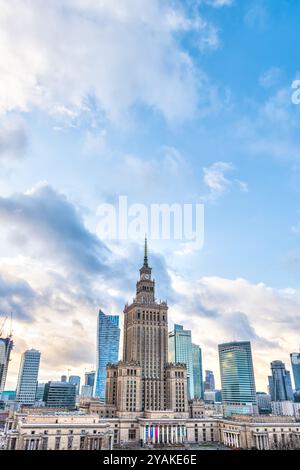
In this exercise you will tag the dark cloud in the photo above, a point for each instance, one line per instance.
(47, 217)
(18, 297)
(239, 328)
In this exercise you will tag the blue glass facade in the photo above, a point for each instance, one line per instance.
(180, 350)
(280, 384)
(237, 375)
(295, 361)
(108, 339)
(197, 371)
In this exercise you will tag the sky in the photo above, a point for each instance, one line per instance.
(165, 101)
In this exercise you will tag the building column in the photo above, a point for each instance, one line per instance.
(167, 429)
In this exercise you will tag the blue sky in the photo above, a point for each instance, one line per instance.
(162, 101)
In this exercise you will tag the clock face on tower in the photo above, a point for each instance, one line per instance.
(147, 276)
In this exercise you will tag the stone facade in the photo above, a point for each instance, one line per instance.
(58, 431)
(144, 380)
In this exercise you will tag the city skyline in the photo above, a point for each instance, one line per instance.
(181, 349)
(168, 109)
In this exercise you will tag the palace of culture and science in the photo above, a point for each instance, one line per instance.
(144, 381)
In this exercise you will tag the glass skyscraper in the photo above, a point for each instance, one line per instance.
(295, 361)
(280, 384)
(180, 350)
(237, 378)
(209, 384)
(28, 375)
(6, 345)
(197, 370)
(108, 339)
(75, 380)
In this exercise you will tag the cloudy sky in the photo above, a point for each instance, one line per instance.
(163, 101)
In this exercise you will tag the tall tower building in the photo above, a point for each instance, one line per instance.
(6, 345)
(209, 383)
(108, 340)
(237, 377)
(197, 372)
(180, 350)
(295, 361)
(75, 380)
(28, 376)
(146, 338)
(144, 380)
(280, 384)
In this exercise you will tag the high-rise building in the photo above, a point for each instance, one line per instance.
(197, 371)
(209, 383)
(89, 378)
(28, 375)
(264, 403)
(280, 384)
(237, 378)
(75, 380)
(6, 345)
(295, 361)
(39, 396)
(108, 339)
(145, 380)
(181, 351)
(60, 395)
(63, 378)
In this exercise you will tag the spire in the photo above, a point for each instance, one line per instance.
(146, 253)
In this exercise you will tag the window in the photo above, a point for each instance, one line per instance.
(70, 442)
(82, 441)
(57, 443)
(132, 434)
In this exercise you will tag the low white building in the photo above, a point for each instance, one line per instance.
(57, 431)
(285, 408)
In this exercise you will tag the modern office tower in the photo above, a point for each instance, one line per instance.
(60, 395)
(264, 403)
(6, 345)
(209, 383)
(39, 396)
(237, 378)
(218, 396)
(28, 375)
(75, 380)
(108, 340)
(197, 371)
(280, 384)
(295, 361)
(89, 378)
(63, 378)
(181, 351)
(144, 380)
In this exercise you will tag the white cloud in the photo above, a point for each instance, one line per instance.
(59, 55)
(219, 3)
(270, 77)
(219, 310)
(217, 182)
